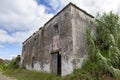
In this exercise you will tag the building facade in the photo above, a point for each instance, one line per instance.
(60, 46)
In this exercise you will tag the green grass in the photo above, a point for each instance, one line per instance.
(87, 72)
(22, 74)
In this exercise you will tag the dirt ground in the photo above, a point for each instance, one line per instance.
(3, 77)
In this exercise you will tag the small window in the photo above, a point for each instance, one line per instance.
(35, 39)
(56, 29)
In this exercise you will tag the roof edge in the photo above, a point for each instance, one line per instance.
(81, 10)
(65, 8)
(60, 12)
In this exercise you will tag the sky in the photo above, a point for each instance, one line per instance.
(21, 18)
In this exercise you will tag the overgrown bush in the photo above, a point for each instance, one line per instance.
(104, 46)
(14, 64)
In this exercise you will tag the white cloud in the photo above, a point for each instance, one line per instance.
(22, 14)
(9, 56)
(4, 37)
(21, 18)
(16, 37)
(94, 6)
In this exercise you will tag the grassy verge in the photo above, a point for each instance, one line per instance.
(22, 74)
(89, 71)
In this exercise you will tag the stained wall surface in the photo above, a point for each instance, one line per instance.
(64, 34)
(80, 22)
(37, 50)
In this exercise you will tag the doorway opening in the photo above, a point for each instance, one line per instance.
(33, 58)
(56, 63)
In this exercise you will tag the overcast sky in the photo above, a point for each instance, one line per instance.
(20, 18)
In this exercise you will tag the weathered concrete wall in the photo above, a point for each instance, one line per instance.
(80, 21)
(68, 39)
(41, 44)
(61, 42)
(30, 50)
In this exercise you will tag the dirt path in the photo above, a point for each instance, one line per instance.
(2, 77)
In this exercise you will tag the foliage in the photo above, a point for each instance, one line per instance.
(14, 64)
(104, 45)
(6, 61)
(89, 71)
(1, 62)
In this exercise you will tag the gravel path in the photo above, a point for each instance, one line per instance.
(3, 77)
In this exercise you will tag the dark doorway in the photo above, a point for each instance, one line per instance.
(56, 63)
(59, 65)
(33, 58)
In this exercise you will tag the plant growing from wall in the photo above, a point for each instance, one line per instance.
(104, 45)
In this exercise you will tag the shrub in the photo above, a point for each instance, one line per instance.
(14, 64)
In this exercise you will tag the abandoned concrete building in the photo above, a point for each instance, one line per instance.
(60, 46)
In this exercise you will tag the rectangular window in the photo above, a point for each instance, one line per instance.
(56, 29)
